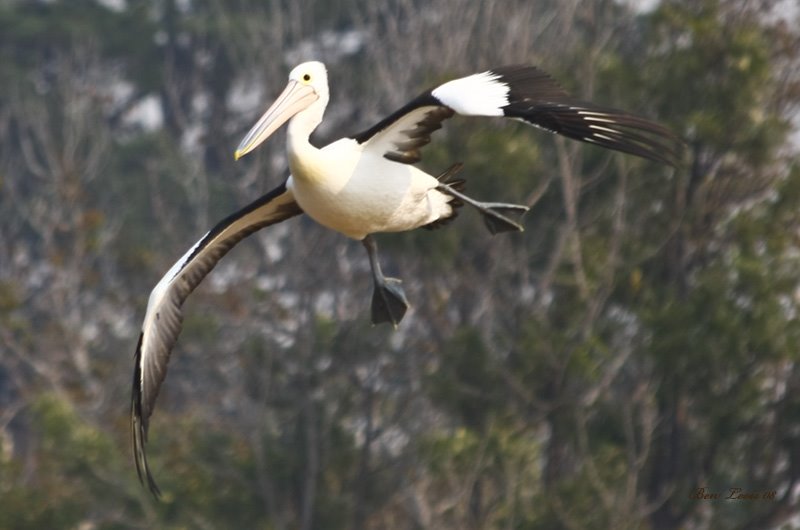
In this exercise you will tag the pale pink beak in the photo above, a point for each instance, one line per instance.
(294, 98)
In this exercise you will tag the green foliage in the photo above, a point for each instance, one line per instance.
(9, 299)
(465, 382)
(725, 70)
(587, 373)
(497, 469)
(76, 462)
(32, 33)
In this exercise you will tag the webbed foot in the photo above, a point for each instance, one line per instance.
(495, 214)
(389, 302)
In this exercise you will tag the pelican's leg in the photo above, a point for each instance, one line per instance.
(389, 302)
(493, 212)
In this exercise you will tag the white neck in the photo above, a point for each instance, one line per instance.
(302, 154)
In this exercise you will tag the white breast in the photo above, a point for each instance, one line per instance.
(359, 193)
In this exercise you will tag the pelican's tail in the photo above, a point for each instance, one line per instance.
(446, 177)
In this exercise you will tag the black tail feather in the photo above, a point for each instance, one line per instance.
(446, 176)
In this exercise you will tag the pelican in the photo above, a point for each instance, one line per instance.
(368, 183)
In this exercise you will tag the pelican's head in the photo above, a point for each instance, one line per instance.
(308, 84)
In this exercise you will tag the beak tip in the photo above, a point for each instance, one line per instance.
(237, 155)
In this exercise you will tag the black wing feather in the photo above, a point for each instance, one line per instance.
(163, 320)
(408, 129)
(535, 98)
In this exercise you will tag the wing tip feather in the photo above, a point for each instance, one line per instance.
(604, 127)
(139, 426)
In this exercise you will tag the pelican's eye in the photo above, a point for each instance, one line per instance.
(306, 78)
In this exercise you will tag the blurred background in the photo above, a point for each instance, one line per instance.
(638, 342)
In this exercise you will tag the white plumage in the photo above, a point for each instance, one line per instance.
(476, 95)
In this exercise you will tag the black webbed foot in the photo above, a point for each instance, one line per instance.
(389, 303)
(495, 214)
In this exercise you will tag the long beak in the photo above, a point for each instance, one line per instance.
(294, 98)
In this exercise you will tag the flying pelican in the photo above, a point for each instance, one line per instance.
(367, 183)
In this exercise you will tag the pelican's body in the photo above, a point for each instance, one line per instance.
(347, 186)
(364, 195)
(367, 184)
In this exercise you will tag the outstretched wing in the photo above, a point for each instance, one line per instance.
(524, 93)
(162, 321)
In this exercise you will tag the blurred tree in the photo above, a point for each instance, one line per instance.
(636, 343)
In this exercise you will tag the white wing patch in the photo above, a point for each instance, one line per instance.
(475, 95)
